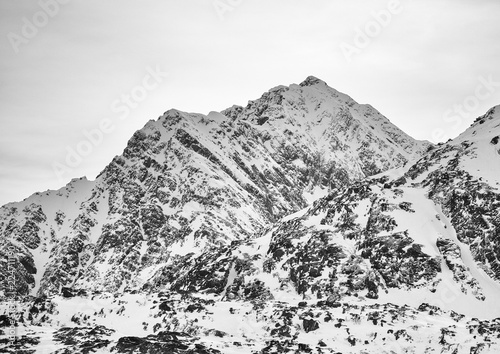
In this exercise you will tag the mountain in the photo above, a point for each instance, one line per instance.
(186, 182)
(303, 222)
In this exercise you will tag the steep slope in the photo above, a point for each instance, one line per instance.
(188, 182)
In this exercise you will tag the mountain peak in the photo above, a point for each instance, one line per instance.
(172, 113)
(312, 80)
(483, 128)
(493, 112)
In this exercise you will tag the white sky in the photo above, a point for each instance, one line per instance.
(65, 77)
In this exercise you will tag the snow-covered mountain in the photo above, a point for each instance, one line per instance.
(189, 181)
(303, 222)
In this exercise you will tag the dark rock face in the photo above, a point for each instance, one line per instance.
(83, 339)
(5, 321)
(398, 260)
(310, 325)
(163, 342)
(303, 263)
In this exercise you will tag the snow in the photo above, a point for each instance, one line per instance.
(299, 163)
(295, 215)
(314, 194)
(421, 224)
(216, 117)
(484, 163)
(425, 228)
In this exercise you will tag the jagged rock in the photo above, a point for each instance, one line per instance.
(84, 339)
(168, 342)
(310, 325)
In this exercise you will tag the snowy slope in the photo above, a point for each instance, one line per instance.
(482, 137)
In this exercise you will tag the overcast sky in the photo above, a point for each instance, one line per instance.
(76, 66)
